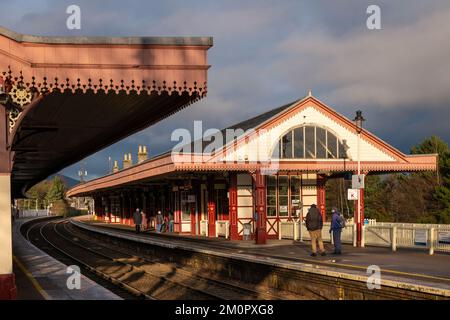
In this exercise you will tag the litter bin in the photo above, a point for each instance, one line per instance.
(247, 231)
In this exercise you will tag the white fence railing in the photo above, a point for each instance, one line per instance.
(33, 213)
(222, 228)
(432, 237)
(204, 228)
(296, 230)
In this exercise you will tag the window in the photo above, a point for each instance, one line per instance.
(186, 206)
(296, 204)
(283, 201)
(284, 196)
(221, 202)
(332, 143)
(321, 143)
(299, 150)
(309, 142)
(271, 196)
(286, 144)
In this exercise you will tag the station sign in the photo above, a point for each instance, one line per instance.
(444, 237)
(352, 194)
(421, 237)
(358, 181)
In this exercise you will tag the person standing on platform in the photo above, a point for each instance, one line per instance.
(159, 221)
(314, 224)
(170, 221)
(337, 224)
(137, 218)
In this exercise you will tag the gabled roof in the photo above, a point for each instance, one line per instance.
(255, 122)
(163, 164)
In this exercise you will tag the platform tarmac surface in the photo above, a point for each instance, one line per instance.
(410, 266)
(41, 277)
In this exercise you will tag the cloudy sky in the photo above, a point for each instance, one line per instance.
(268, 53)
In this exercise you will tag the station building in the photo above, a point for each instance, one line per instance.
(273, 172)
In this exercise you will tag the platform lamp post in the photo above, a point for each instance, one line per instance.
(358, 123)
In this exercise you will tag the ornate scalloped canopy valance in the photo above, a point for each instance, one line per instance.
(71, 96)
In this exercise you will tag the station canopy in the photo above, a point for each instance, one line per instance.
(68, 97)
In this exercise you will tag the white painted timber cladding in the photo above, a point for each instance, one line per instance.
(266, 141)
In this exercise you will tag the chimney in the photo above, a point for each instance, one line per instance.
(116, 166)
(126, 160)
(142, 154)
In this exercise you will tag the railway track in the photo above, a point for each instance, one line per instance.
(32, 231)
(142, 275)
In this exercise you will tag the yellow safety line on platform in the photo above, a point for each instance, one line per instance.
(33, 281)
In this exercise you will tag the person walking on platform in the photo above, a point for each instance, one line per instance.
(337, 224)
(137, 218)
(314, 224)
(159, 221)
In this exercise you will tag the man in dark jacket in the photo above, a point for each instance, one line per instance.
(337, 223)
(314, 224)
(137, 218)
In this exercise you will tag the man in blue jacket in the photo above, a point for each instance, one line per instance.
(337, 224)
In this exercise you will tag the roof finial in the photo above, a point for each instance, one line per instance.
(309, 93)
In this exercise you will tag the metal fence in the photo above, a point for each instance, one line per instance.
(296, 230)
(402, 235)
(222, 228)
(204, 228)
(431, 237)
(33, 213)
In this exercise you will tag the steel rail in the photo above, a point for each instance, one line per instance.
(203, 278)
(132, 267)
(89, 267)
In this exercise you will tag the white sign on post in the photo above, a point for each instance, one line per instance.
(358, 181)
(352, 194)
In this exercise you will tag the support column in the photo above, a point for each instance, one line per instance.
(232, 193)
(321, 202)
(211, 209)
(359, 222)
(130, 209)
(120, 208)
(7, 279)
(108, 205)
(260, 204)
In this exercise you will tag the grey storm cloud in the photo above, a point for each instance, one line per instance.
(395, 67)
(267, 53)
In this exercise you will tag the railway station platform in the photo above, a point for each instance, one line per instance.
(405, 269)
(41, 277)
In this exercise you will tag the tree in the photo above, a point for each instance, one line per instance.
(441, 211)
(422, 197)
(373, 199)
(39, 192)
(57, 190)
(437, 146)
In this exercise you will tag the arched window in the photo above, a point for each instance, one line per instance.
(309, 142)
